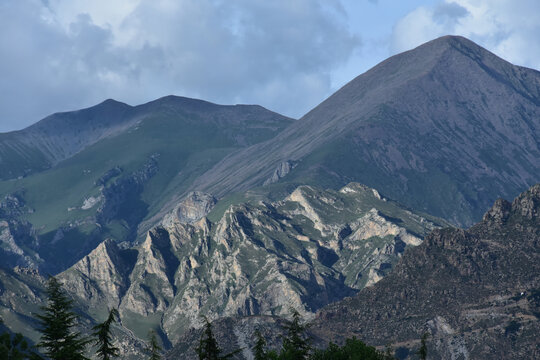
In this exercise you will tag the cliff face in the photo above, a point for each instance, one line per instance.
(310, 249)
(475, 291)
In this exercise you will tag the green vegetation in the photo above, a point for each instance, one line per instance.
(15, 347)
(102, 332)
(61, 342)
(208, 348)
(59, 339)
(154, 349)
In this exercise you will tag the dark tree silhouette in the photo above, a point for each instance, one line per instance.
(15, 347)
(103, 338)
(154, 349)
(422, 352)
(296, 346)
(59, 339)
(208, 348)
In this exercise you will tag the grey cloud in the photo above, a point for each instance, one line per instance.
(449, 12)
(275, 53)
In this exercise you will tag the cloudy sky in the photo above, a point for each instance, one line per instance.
(287, 55)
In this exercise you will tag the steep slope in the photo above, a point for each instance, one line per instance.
(121, 165)
(477, 292)
(310, 249)
(59, 136)
(22, 294)
(446, 128)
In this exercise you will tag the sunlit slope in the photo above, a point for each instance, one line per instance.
(110, 186)
(445, 128)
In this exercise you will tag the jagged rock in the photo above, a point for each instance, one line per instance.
(472, 290)
(193, 208)
(281, 171)
(101, 277)
(310, 249)
(123, 189)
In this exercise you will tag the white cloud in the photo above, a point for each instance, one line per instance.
(67, 54)
(509, 28)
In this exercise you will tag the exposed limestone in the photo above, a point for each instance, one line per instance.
(193, 208)
(373, 224)
(100, 277)
(313, 248)
(90, 202)
(281, 171)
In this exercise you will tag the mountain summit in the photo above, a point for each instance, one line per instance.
(446, 128)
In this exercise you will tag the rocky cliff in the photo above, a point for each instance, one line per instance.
(476, 291)
(310, 249)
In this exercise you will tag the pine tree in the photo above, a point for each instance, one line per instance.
(102, 332)
(58, 338)
(259, 350)
(295, 345)
(154, 350)
(15, 347)
(422, 352)
(208, 348)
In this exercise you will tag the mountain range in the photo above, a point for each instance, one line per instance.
(179, 208)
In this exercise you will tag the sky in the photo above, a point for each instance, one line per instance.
(286, 55)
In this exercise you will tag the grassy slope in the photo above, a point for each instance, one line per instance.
(185, 147)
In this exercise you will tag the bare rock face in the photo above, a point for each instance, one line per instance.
(310, 249)
(476, 291)
(194, 207)
(281, 171)
(100, 277)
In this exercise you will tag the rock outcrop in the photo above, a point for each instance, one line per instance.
(306, 251)
(476, 291)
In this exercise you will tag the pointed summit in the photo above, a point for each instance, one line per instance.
(447, 128)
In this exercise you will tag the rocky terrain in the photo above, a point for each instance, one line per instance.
(179, 208)
(112, 166)
(423, 127)
(476, 291)
(310, 249)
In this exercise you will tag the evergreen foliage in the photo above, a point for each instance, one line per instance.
(208, 348)
(154, 349)
(422, 352)
(353, 349)
(296, 346)
(15, 348)
(59, 339)
(259, 350)
(102, 333)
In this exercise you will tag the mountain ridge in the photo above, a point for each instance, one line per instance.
(402, 97)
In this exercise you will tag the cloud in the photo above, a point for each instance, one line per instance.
(67, 54)
(508, 28)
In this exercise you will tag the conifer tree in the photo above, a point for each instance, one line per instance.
(422, 352)
(208, 348)
(102, 333)
(15, 347)
(59, 339)
(295, 346)
(259, 350)
(154, 349)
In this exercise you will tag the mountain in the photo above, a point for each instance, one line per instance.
(310, 249)
(22, 294)
(445, 128)
(476, 291)
(60, 136)
(111, 166)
